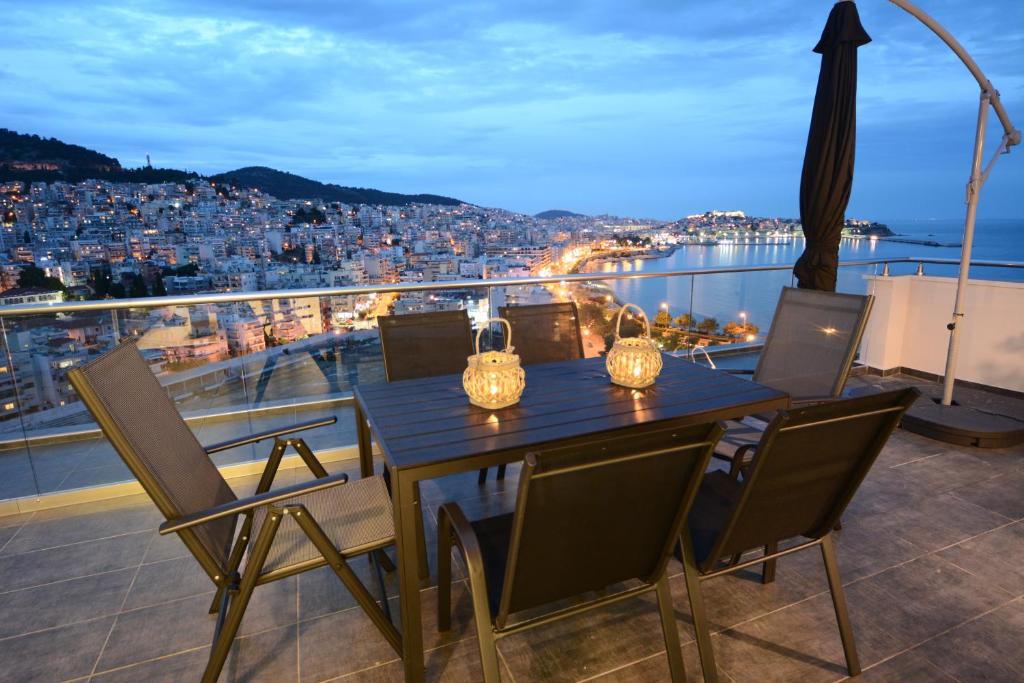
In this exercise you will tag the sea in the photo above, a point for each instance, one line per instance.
(730, 296)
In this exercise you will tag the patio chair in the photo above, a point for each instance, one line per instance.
(588, 517)
(808, 353)
(425, 344)
(808, 466)
(419, 345)
(545, 333)
(283, 532)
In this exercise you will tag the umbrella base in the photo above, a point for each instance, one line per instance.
(962, 425)
(978, 418)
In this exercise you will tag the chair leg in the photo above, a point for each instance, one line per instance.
(375, 560)
(385, 561)
(218, 598)
(481, 478)
(225, 634)
(669, 631)
(488, 650)
(835, 586)
(348, 577)
(501, 472)
(444, 572)
(768, 568)
(307, 456)
(700, 623)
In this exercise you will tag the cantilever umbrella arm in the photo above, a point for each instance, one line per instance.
(1011, 137)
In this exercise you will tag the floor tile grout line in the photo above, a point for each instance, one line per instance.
(54, 628)
(189, 649)
(508, 668)
(16, 532)
(942, 633)
(67, 580)
(929, 457)
(124, 601)
(659, 653)
(177, 653)
(65, 545)
(22, 553)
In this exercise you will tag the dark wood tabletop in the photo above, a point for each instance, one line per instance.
(430, 421)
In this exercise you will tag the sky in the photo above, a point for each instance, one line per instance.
(643, 108)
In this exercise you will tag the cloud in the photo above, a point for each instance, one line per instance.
(646, 108)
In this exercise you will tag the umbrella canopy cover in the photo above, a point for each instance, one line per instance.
(827, 177)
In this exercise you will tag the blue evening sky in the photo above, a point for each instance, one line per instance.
(639, 107)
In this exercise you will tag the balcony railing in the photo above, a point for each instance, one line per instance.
(241, 362)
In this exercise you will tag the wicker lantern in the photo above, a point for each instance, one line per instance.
(634, 361)
(494, 379)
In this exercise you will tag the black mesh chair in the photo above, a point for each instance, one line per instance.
(425, 344)
(545, 333)
(284, 532)
(807, 468)
(588, 517)
(808, 353)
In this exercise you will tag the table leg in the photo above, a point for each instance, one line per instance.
(409, 538)
(363, 439)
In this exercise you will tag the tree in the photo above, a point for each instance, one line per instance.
(158, 287)
(684, 321)
(137, 287)
(708, 326)
(663, 319)
(33, 276)
(27, 237)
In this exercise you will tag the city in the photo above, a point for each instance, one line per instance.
(583, 342)
(99, 239)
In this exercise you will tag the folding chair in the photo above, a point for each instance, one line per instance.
(283, 532)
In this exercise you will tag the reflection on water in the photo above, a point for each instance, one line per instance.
(724, 296)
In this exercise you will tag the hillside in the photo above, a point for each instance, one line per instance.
(285, 185)
(30, 158)
(552, 214)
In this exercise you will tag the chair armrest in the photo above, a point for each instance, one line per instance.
(737, 371)
(740, 460)
(245, 504)
(465, 538)
(270, 434)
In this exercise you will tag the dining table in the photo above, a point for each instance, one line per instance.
(426, 428)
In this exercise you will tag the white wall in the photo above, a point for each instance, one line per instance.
(908, 328)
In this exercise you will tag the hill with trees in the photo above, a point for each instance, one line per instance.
(285, 185)
(31, 158)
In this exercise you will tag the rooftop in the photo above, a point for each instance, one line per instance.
(931, 553)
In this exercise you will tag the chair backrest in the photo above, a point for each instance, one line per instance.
(140, 420)
(594, 514)
(545, 333)
(812, 342)
(425, 344)
(807, 467)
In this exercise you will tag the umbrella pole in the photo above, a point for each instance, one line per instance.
(1011, 137)
(973, 195)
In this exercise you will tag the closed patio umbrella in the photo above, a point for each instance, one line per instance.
(827, 176)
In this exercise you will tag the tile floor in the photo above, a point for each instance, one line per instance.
(931, 552)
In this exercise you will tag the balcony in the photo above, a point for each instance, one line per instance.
(930, 552)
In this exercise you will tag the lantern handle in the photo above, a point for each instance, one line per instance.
(487, 325)
(618, 320)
